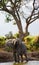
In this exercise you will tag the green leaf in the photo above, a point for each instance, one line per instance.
(14, 23)
(5, 1)
(8, 18)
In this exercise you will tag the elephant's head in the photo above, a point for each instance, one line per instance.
(9, 43)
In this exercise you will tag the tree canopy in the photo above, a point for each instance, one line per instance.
(17, 9)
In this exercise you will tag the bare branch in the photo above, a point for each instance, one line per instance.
(11, 2)
(32, 10)
(18, 15)
(32, 14)
(35, 18)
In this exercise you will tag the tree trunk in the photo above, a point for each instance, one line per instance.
(19, 25)
(26, 29)
(20, 29)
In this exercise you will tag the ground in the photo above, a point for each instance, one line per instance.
(8, 56)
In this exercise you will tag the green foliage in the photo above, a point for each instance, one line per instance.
(16, 35)
(0, 6)
(36, 43)
(8, 18)
(32, 42)
(3, 1)
(2, 41)
(6, 1)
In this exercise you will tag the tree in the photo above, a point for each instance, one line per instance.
(9, 35)
(13, 8)
(33, 16)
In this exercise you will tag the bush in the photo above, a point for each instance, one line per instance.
(36, 43)
(32, 42)
(2, 41)
(16, 35)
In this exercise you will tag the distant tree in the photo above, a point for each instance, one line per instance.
(9, 35)
(13, 7)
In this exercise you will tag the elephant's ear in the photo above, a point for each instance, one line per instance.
(13, 41)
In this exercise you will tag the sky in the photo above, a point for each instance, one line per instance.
(5, 28)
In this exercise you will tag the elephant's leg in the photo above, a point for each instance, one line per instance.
(15, 57)
(18, 57)
(25, 56)
(21, 58)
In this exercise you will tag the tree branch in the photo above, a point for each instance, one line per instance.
(33, 19)
(29, 18)
(18, 15)
(32, 10)
(11, 2)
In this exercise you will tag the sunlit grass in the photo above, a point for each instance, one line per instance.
(19, 63)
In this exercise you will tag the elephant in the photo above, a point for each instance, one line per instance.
(10, 44)
(19, 49)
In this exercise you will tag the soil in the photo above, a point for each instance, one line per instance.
(8, 56)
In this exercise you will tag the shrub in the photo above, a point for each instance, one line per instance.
(2, 41)
(32, 42)
(16, 35)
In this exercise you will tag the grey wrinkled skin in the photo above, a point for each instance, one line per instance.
(10, 44)
(19, 49)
